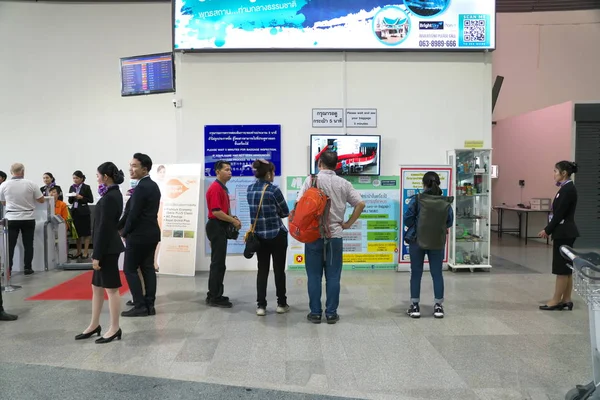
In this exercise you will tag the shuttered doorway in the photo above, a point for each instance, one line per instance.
(587, 156)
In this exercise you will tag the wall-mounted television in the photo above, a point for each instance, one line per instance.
(147, 74)
(239, 25)
(357, 154)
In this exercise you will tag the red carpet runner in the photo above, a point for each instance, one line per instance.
(78, 288)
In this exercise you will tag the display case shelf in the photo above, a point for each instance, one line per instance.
(470, 233)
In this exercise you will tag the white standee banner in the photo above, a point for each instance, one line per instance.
(178, 217)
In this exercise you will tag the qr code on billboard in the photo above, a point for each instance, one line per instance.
(474, 30)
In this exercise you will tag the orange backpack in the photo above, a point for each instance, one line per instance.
(309, 220)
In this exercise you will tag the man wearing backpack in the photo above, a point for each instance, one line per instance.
(324, 255)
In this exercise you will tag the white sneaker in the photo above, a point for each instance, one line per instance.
(283, 309)
(261, 312)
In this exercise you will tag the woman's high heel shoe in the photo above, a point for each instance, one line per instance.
(110, 339)
(88, 335)
(546, 307)
(568, 305)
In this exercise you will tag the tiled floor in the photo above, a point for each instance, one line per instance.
(493, 344)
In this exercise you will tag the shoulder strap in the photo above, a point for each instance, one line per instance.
(259, 206)
(313, 180)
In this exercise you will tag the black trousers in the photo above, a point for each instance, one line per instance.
(1, 304)
(217, 235)
(141, 256)
(275, 248)
(27, 230)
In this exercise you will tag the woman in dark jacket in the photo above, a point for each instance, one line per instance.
(107, 248)
(49, 183)
(562, 228)
(435, 256)
(80, 212)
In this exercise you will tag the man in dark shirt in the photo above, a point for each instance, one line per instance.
(217, 201)
(142, 234)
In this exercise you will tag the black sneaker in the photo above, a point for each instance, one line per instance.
(438, 311)
(221, 302)
(314, 318)
(414, 311)
(28, 272)
(332, 319)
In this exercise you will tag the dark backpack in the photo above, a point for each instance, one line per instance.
(433, 216)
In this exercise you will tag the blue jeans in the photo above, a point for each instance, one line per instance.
(329, 262)
(417, 258)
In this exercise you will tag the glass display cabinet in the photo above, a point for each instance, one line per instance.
(470, 234)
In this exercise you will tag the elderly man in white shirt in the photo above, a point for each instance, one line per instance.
(19, 195)
(340, 193)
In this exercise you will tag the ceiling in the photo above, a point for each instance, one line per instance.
(502, 6)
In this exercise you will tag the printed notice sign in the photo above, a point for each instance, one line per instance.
(327, 117)
(361, 117)
(372, 242)
(238, 199)
(241, 145)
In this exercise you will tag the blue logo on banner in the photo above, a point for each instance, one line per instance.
(433, 25)
(241, 145)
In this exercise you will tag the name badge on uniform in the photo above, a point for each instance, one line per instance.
(550, 216)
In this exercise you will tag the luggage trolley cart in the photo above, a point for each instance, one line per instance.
(586, 282)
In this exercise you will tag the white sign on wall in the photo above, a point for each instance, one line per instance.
(361, 117)
(327, 117)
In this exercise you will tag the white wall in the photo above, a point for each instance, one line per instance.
(65, 99)
(427, 103)
(60, 101)
(547, 58)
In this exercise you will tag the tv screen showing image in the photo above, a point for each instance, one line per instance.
(147, 74)
(272, 25)
(357, 154)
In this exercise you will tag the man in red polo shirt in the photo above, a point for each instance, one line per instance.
(217, 201)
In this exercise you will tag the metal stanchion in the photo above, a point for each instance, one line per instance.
(5, 261)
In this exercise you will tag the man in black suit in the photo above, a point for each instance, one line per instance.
(142, 234)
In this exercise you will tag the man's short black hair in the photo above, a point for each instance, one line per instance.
(220, 164)
(144, 159)
(329, 159)
(3, 175)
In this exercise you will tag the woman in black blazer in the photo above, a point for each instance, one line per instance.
(80, 212)
(107, 248)
(49, 183)
(562, 228)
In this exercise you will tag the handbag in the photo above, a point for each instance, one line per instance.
(231, 232)
(251, 238)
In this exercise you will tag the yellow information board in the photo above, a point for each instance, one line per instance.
(473, 144)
